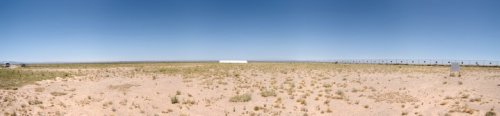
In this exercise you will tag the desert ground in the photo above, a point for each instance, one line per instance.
(256, 89)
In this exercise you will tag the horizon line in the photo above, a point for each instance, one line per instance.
(187, 61)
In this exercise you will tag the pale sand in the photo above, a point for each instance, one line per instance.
(359, 90)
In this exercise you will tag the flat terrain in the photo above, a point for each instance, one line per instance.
(288, 89)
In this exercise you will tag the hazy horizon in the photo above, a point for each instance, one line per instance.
(129, 30)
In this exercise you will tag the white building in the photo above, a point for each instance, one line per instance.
(234, 61)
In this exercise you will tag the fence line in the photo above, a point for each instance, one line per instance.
(419, 62)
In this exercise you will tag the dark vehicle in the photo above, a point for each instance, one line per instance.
(7, 65)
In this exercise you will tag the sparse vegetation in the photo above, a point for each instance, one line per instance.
(12, 78)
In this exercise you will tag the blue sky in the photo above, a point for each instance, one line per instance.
(127, 30)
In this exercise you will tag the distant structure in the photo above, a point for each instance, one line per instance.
(7, 65)
(233, 61)
(10, 65)
(455, 69)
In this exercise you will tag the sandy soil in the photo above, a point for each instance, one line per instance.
(288, 90)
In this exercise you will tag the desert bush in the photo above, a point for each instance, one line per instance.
(241, 98)
(302, 101)
(490, 113)
(268, 93)
(475, 100)
(174, 100)
(327, 85)
(340, 93)
(189, 102)
(58, 93)
(257, 108)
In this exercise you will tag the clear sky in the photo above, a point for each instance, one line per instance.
(127, 30)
